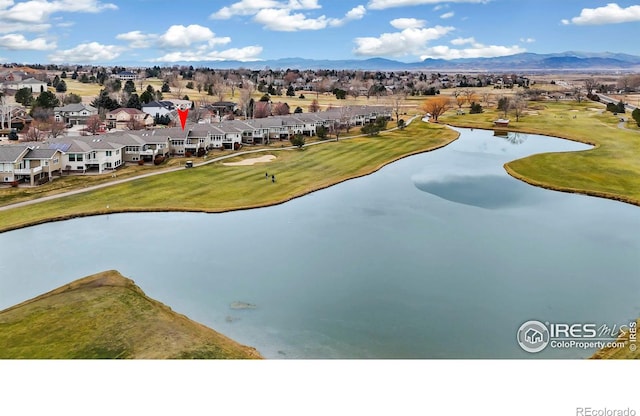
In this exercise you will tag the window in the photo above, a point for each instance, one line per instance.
(108, 152)
(108, 164)
(118, 151)
(79, 157)
(72, 157)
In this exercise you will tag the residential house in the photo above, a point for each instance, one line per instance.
(74, 114)
(143, 145)
(35, 85)
(128, 119)
(160, 108)
(125, 76)
(92, 153)
(29, 163)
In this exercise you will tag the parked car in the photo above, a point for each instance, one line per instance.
(188, 164)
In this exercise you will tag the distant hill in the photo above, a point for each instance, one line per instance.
(107, 316)
(564, 61)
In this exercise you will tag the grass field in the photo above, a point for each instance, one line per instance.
(217, 188)
(611, 170)
(107, 316)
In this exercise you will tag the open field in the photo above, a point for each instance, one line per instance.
(217, 188)
(107, 316)
(611, 170)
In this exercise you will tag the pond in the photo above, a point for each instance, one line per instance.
(439, 255)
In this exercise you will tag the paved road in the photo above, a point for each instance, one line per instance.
(164, 171)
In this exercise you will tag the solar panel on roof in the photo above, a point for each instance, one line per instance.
(63, 147)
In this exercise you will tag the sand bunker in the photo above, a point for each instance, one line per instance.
(252, 161)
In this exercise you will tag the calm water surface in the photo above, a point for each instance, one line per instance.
(440, 255)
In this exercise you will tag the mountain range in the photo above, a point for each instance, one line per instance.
(565, 61)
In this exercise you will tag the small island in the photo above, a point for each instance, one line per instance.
(106, 315)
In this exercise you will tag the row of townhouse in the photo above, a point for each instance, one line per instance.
(40, 161)
(29, 163)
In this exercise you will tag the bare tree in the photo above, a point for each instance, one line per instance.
(314, 107)
(590, 84)
(397, 103)
(245, 101)
(56, 128)
(518, 104)
(345, 118)
(34, 133)
(5, 112)
(436, 106)
(470, 96)
(281, 109)
(577, 94)
(93, 124)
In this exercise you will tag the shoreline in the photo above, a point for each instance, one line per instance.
(511, 172)
(373, 170)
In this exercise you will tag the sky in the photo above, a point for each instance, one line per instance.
(160, 32)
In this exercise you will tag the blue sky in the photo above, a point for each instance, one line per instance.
(161, 32)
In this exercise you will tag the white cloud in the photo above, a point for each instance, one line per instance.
(356, 13)
(447, 15)
(87, 52)
(16, 42)
(251, 7)
(10, 27)
(475, 50)
(527, 40)
(283, 21)
(410, 41)
(387, 4)
(178, 36)
(609, 14)
(407, 23)
(38, 11)
(463, 41)
(246, 54)
(137, 39)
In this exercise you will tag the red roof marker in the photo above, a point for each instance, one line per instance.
(183, 116)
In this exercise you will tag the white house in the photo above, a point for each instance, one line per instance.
(35, 85)
(74, 113)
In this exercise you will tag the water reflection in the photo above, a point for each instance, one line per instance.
(488, 191)
(511, 136)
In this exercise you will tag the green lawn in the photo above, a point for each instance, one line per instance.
(611, 170)
(107, 316)
(217, 188)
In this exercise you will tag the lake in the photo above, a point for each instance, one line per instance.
(439, 255)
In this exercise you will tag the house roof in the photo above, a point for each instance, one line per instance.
(160, 104)
(132, 111)
(75, 108)
(84, 145)
(32, 81)
(41, 153)
(11, 154)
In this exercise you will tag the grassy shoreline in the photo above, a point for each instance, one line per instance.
(610, 170)
(106, 315)
(217, 188)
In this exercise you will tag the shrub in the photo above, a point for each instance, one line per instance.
(188, 154)
(158, 160)
(141, 162)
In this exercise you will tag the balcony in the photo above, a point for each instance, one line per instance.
(33, 171)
